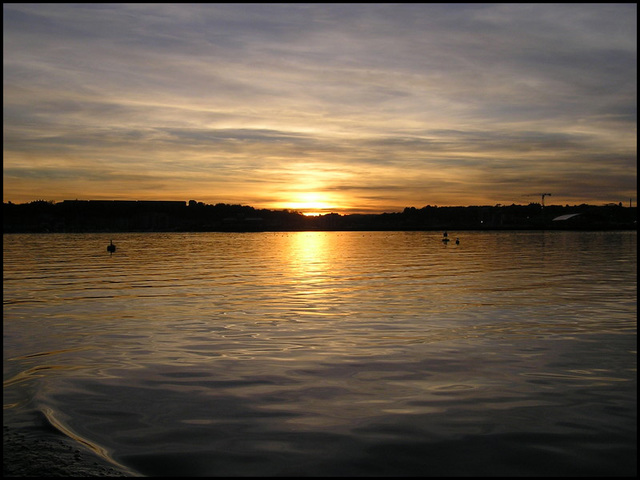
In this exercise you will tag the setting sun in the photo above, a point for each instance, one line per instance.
(312, 204)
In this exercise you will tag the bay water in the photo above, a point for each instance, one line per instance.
(329, 353)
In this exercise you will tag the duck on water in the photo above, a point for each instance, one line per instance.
(446, 239)
(111, 247)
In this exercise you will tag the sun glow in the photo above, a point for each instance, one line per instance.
(311, 204)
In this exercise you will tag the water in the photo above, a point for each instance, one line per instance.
(342, 353)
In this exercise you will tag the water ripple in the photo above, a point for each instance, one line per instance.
(343, 353)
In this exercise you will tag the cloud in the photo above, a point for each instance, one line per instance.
(481, 100)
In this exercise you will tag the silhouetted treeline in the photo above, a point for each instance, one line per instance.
(150, 216)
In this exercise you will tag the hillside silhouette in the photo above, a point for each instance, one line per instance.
(174, 216)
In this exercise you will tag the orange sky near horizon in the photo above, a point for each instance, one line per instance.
(318, 108)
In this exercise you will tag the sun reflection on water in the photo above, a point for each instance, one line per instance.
(309, 251)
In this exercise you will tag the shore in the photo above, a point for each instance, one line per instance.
(48, 455)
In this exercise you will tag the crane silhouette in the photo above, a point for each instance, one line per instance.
(542, 195)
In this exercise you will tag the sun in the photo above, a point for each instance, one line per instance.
(312, 204)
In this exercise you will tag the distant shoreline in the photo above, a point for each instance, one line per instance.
(107, 232)
(93, 216)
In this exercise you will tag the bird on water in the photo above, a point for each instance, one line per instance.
(111, 247)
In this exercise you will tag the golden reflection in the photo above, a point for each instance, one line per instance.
(37, 372)
(309, 252)
(94, 447)
(311, 266)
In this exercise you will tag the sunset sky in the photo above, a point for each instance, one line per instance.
(321, 107)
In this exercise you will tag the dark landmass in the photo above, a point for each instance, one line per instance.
(80, 216)
(48, 455)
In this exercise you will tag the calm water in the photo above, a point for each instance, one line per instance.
(344, 353)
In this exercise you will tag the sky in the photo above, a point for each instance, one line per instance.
(347, 108)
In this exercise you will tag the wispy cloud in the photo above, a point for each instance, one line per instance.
(375, 106)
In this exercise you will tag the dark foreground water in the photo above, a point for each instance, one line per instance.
(350, 353)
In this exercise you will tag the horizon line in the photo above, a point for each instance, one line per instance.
(326, 211)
